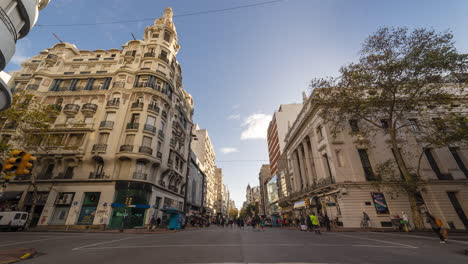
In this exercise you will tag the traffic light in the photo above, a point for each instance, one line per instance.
(12, 163)
(26, 164)
(128, 201)
(307, 202)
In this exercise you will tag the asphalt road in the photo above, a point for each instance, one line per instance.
(218, 245)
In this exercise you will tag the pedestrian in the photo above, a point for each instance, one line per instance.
(315, 223)
(405, 221)
(158, 222)
(262, 225)
(436, 225)
(326, 220)
(152, 223)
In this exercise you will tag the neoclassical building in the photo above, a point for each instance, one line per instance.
(125, 123)
(335, 173)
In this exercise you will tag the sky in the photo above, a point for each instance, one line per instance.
(242, 64)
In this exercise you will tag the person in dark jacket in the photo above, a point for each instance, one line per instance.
(326, 220)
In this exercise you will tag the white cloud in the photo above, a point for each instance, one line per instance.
(234, 117)
(256, 126)
(229, 150)
(21, 53)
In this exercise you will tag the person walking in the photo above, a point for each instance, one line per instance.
(315, 223)
(152, 223)
(326, 220)
(436, 225)
(262, 225)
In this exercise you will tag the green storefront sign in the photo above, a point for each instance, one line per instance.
(88, 210)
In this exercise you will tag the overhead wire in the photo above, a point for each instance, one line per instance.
(152, 19)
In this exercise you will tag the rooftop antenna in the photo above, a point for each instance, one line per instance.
(133, 36)
(57, 37)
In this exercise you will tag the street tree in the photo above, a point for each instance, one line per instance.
(233, 213)
(27, 126)
(399, 73)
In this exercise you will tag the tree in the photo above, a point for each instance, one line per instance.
(233, 213)
(27, 126)
(399, 74)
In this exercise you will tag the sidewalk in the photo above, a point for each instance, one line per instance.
(15, 255)
(129, 231)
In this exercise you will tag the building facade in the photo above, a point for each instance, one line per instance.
(202, 147)
(17, 17)
(219, 189)
(125, 123)
(196, 189)
(264, 177)
(334, 174)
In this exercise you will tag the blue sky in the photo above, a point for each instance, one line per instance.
(242, 64)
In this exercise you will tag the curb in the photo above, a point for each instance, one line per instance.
(22, 257)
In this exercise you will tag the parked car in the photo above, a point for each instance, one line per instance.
(13, 220)
(268, 223)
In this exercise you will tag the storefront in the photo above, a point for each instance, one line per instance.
(130, 204)
(62, 207)
(88, 210)
(40, 203)
(174, 218)
(9, 200)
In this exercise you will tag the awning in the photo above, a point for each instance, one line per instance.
(10, 196)
(144, 206)
(171, 210)
(299, 204)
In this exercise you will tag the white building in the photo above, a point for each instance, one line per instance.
(17, 17)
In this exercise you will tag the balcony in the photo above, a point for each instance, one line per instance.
(51, 59)
(144, 85)
(100, 147)
(89, 109)
(137, 106)
(149, 128)
(153, 108)
(118, 85)
(113, 103)
(133, 126)
(149, 55)
(160, 134)
(106, 124)
(164, 114)
(32, 87)
(146, 150)
(140, 176)
(173, 143)
(71, 109)
(129, 56)
(96, 175)
(126, 148)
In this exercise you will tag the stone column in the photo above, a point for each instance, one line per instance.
(300, 160)
(297, 172)
(310, 160)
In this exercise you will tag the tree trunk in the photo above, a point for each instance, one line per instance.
(410, 183)
(33, 205)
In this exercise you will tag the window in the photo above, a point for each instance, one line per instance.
(69, 173)
(414, 125)
(75, 139)
(24, 216)
(155, 35)
(354, 125)
(140, 167)
(433, 164)
(167, 36)
(135, 119)
(103, 137)
(146, 142)
(129, 139)
(366, 165)
(17, 216)
(459, 160)
(159, 146)
(113, 55)
(163, 55)
(70, 120)
(319, 132)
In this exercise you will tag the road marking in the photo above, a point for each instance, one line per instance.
(237, 245)
(430, 238)
(378, 240)
(38, 240)
(110, 241)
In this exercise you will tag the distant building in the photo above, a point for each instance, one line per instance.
(202, 147)
(264, 177)
(17, 19)
(195, 188)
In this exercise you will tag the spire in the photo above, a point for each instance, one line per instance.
(168, 14)
(166, 19)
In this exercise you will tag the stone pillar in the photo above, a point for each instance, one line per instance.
(302, 165)
(297, 171)
(310, 160)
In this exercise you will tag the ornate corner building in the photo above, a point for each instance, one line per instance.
(125, 126)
